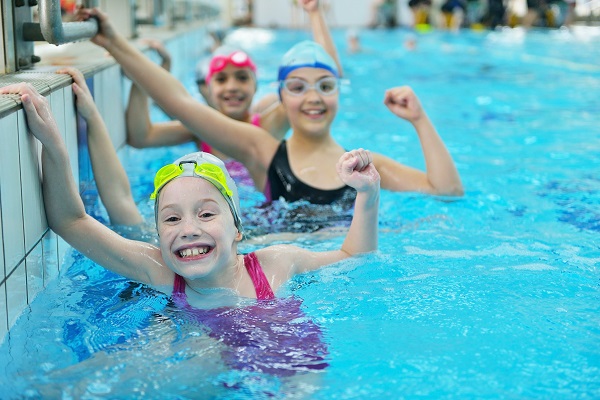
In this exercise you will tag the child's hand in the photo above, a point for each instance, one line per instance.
(106, 32)
(40, 120)
(85, 102)
(356, 169)
(161, 50)
(403, 102)
(310, 5)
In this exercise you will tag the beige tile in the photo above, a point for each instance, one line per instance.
(10, 194)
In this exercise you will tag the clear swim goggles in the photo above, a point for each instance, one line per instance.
(238, 58)
(212, 173)
(326, 86)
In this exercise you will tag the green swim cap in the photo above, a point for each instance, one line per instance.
(202, 165)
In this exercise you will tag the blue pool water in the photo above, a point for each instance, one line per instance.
(494, 295)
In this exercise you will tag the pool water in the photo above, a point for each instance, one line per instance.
(492, 295)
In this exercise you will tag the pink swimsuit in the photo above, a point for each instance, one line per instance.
(261, 284)
(272, 336)
(236, 169)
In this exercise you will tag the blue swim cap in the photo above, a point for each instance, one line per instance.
(306, 54)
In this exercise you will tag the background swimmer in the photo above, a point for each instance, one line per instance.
(111, 179)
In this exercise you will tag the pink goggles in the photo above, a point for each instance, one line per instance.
(237, 58)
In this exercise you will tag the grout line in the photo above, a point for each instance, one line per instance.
(22, 260)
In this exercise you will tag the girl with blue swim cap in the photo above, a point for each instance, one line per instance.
(302, 167)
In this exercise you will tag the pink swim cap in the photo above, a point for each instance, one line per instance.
(238, 58)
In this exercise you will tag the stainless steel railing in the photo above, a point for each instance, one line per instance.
(53, 30)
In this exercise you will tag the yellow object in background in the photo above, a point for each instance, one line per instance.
(423, 28)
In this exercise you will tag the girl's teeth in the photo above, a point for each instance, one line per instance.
(193, 252)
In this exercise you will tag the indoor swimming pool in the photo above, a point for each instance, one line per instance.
(492, 295)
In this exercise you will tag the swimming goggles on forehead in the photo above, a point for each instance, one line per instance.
(326, 86)
(238, 58)
(210, 172)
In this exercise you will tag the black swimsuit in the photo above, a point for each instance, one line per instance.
(282, 183)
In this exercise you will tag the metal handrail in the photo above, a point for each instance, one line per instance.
(53, 30)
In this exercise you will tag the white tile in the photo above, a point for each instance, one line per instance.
(33, 215)
(98, 92)
(50, 257)
(3, 313)
(114, 116)
(16, 296)
(10, 193)
(34, 266)
(68, 126)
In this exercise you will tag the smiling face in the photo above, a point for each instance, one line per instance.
(310, 113)
(198, 237)
(232, 90)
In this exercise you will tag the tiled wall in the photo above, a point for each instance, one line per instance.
(30, 254)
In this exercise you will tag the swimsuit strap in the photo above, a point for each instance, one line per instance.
(261, 284)
(255, 120)
(205, 147)
(179, 290)
(282, 182)
(259, 279)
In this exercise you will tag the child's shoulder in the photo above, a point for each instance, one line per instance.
(278, 255)
(279, 250)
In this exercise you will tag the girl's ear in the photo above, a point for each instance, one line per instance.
(239, 236)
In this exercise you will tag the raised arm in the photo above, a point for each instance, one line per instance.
(356, 169)
(251, 145)
(111, 179)
(141, 132)
(161, 50)
(320, 30)
(441, 177)
(65, 210)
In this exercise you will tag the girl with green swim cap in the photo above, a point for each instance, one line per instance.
(197, 220)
